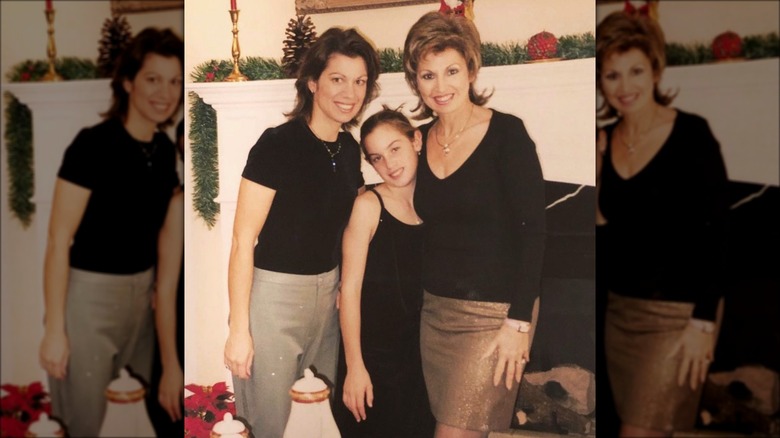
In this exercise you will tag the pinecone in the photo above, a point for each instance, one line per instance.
(300, 35)
(116, 35)
(543, 45)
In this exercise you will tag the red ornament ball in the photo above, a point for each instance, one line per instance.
(727, 45)
(543, 45)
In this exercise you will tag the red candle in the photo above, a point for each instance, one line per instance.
(232, 4)
(49, 8)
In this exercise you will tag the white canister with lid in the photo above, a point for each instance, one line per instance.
(229, 428)
(310, 414)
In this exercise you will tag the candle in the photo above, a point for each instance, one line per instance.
(232, 5)
(49, 8)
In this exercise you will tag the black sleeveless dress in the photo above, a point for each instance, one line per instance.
(390, 305)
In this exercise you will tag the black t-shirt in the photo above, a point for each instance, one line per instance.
(302, 234)
(131, 183)
(485, 223)
(664, 237)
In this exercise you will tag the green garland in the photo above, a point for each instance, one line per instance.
(753, 47)
(203, 140)
(18, 129)
(203, 127)
(18, 140)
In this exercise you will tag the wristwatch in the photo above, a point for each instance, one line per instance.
(705, 326)
(520, 326)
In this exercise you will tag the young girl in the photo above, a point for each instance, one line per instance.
(380, 375)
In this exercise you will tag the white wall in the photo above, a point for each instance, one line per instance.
(701, 21)
(23, 35)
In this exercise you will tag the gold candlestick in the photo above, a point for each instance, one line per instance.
(235, 75)
(51, 49)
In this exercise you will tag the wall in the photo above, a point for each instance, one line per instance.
(23, 36)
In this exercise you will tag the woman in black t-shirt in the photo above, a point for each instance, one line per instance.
(295, 197)
(110, 200)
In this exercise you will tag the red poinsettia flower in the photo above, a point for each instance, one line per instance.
(25, 402)
(195, 427)
(206, 406)
(210, 76)
(12, 427)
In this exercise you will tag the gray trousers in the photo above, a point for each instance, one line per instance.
(108, 320)
(294, 324)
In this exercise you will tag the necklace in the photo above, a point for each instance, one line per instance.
(445, 145)
(148, 149)
(332, 154)
(632, 144)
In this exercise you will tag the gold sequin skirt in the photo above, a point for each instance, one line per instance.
(638, 339)
(454, 334)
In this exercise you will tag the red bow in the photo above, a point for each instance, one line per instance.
(459, 10)
(630, 9)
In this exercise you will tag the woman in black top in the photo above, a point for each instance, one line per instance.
(110, 200)
(481, 194)
(661, 180)
(295, 197)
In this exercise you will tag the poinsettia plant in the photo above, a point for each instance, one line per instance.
(20, 406)
(206, 406)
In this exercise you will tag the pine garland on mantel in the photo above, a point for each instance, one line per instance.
(203, 126)
(18, 129)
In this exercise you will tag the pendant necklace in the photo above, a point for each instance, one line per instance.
(148, 149)
(632, 145)
(332, 153)
(445, 145)
(328, 149)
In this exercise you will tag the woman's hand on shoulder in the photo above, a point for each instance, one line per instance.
(239, 354)
(512, 348)
(358, 392)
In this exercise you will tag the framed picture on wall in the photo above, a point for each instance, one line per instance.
(319, 6)
(132, 6)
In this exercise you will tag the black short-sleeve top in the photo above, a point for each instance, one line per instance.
(664, 237)
(313, 200)
(485, 223)
(130, 183)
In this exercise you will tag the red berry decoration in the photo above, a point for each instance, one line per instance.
(727, 45)
(543, 45)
